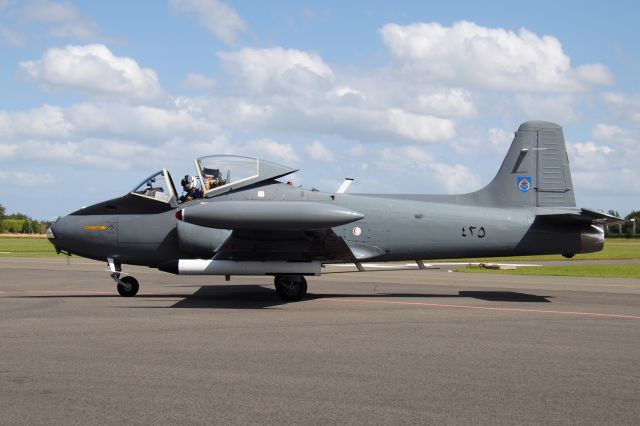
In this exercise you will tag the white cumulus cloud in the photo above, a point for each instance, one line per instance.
(588, 148)
(44, 122)
(116, 135)
(318, 151)
(219, 18)
(24, 179)
(451, 103)
(469, 54)
(65, 20)
(94, 69)
(615, 134)
(270, 149)
(416, 163)
(560, 108)
(198, 82)
(277, 69)
(420, 127)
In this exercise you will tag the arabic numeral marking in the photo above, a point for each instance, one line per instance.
(470, 231)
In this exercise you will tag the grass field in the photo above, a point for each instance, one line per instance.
(25, 247)
(619, 249)
(603, 271)
(613, 249)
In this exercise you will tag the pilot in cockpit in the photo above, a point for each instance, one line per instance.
(190, 185)
(212, 178)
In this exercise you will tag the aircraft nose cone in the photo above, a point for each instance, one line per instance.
(62, 233)
(52, 234)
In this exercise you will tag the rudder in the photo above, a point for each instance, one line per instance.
(535, 172)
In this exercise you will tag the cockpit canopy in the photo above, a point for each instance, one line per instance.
(159, 186)
(222, 173)
(217, 174)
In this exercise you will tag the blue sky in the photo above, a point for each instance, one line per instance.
(402, 96)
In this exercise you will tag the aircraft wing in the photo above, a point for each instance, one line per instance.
(276, 230)
(269, 245)
(583, 215)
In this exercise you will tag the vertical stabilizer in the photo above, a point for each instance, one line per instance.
(535, 172)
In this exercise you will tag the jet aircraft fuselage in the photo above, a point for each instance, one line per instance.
(248, 222)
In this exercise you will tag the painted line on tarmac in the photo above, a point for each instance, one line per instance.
(56, 292)
(483, 308)
(79, 294)
(456, 278)
(18, 260)
(549, 282)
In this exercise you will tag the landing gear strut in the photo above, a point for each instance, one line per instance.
(290, 288)
(127, 286)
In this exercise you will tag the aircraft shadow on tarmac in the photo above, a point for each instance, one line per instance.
(254, 296)
(259, 297)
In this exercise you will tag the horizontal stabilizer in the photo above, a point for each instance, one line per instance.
(584, 215)
(268, 215)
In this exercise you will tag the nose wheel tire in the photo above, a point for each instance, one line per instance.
(290, 288)
(128, 287)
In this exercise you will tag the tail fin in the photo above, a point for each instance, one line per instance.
(535, 172)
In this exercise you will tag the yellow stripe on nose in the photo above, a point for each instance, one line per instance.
(95, 227)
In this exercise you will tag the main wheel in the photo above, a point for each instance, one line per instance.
(290, 288)
(130, 287)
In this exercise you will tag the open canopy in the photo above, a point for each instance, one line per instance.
(159, 187)
(222, 173)
(217, 174)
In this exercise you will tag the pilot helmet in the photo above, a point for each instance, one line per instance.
(194, 183)
(186, 182)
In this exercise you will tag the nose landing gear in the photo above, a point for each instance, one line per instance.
(290, 288)
(127, 286)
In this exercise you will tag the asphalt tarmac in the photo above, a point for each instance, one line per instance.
(388, 347)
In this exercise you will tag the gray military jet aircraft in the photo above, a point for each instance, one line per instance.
(244, 221)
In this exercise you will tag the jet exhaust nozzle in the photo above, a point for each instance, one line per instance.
(592, 240)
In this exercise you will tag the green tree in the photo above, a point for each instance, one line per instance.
(612, 229)
(631, 226)
(37, 227)
(2, 211)
(18, 216)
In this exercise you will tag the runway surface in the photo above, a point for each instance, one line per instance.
(386, 347)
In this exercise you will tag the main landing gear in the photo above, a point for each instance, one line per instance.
(290, 288)
(127, 286)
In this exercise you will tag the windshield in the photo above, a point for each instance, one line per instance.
(156, 186)
(221, 171)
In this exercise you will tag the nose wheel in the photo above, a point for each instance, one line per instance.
(290, 288)
(128, 286)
